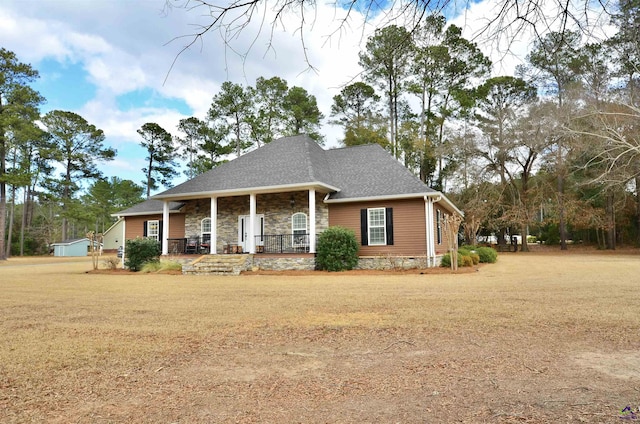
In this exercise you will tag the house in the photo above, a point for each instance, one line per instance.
(112, 238)
(71, 247)
(273, 202)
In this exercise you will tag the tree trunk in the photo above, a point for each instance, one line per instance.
(638, 210)
(562, 225)
(10, 228)
(611, 227)
(524, 247)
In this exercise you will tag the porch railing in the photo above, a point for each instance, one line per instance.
(282, 243)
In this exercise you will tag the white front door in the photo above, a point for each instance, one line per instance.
(243, 231)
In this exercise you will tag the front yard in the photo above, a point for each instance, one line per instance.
(532, 338)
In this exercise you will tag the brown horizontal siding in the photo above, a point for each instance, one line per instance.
(409, 232)
(134, 225)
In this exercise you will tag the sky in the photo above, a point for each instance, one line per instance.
(117, 63)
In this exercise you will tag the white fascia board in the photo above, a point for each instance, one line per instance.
(246, 191)
(441, 198)
(122, 215)
(438, 197)
(376, 198)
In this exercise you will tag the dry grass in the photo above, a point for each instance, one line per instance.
(533, 338)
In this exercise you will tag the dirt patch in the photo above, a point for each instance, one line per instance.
(623, 365)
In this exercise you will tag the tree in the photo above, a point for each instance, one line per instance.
(268, 121)
(203, 145)
(14, 76)
(107, 196)
(192, 128)
(302, 115)
(557, 56)
(78, 147)
(232, 108)
(385, 62)
(160, 156)
(355, 109)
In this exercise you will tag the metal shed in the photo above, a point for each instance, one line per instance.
(74, 247)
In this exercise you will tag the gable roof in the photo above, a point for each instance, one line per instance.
(349, 174)
(149, 207)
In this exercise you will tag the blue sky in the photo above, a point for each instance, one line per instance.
(112, 62)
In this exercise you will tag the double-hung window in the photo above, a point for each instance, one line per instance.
(205, 230)
(377, 232)
(153, 230)
(376, 226)
(299, 228)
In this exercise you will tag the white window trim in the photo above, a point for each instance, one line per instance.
(306, 223)
(384, 226)
(202, 231)
(155, 236)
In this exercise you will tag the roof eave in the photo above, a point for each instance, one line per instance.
(247, 191)
(374, 198)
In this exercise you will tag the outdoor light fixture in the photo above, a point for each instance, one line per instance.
(292, 202)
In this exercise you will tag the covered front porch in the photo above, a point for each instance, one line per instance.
(254, 223)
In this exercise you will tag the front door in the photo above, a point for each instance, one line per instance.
(243, 231)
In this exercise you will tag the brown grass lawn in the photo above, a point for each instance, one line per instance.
(532, 338)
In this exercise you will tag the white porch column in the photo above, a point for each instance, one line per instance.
(252, 223)
(165, 228)
(312, 221)
(213, 243)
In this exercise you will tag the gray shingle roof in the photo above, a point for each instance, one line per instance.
(369, 171)
(148, 207)
(347, 173)
(287, 161)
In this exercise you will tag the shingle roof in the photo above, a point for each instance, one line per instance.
(149, 206)
(287, 161)
(347, 173)
(369, 171)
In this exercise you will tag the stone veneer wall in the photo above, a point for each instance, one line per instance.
(274, 263)
(393, 262)
(276, 209)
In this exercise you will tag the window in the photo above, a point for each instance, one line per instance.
(205, 226)
(439, 225)
(299, 228)
(205, 230)
(153, 230)
(377, 233)
(376, 226)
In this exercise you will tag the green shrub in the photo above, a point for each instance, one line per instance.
(446, 260)
(467, 251)
(337, 249)
(140, 251)
(488, 255)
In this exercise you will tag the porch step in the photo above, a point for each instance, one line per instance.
(217, 265)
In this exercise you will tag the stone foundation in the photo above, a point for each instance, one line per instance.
(392, 262)
(277, 263)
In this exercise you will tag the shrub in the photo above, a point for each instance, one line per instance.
(466, 261)
(467, 251)
(140, 251)
(488, 255)
(337, 249)
(446, 260)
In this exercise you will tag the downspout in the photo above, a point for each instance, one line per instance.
(430, 199)
(124, 241)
